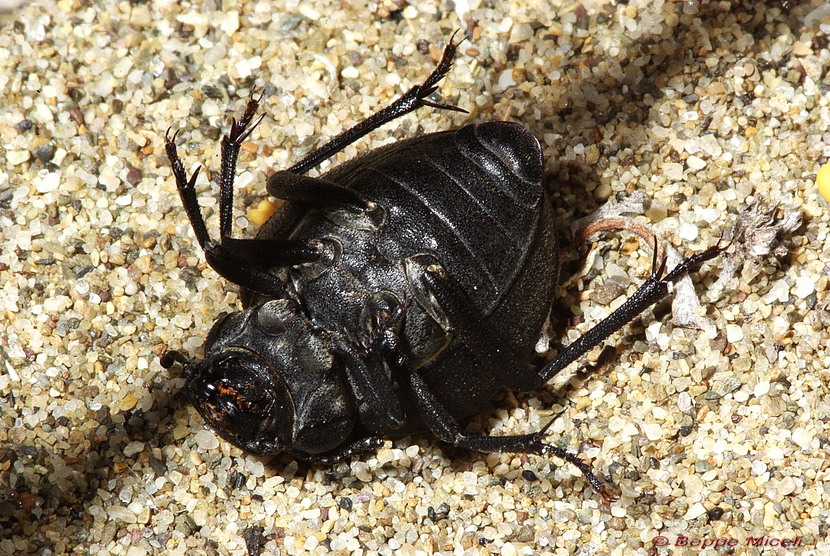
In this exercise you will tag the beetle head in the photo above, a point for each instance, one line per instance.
(270, 382)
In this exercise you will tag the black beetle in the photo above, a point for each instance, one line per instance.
(396, 293)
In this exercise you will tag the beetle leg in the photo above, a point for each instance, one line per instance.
(413, 99)
(341, 453)
(238, 260)
(653, 290)
(317, 191)
(370, 370)
(444, 426)
(231, 143)
(374, 390)
(468, 327)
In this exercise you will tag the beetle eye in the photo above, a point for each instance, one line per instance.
(243, 400)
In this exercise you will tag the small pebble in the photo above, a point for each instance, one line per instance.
(17, 157)
(128, 402)
(262, 212)
(688, 231)
(133, 448)
(734, 333)
(653, 431)
(45, 153)
(206, 440)
(804, 287)
(823, 182)
(695, 163)
(802, 437)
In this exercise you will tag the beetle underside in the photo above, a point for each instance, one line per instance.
(286, 375)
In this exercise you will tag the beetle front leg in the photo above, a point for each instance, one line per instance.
(243, 261)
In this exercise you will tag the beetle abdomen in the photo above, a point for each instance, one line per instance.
(470, 197)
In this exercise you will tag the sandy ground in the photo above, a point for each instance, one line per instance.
(711, 110)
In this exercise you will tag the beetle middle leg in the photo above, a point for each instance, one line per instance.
(455, 305)
(414, 98)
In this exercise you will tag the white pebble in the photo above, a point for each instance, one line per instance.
(206, 440)
(780, 291)
(506, 79)
(673, 170)
(49, 182)
(687, 231)
(121, 513)
(256, 468)
(695, 163)
(804, 286)
(653, 431)
(306, 10)
(350, 72)
(695, 511)
(230, 22)
(361, 471)
(243, 68)
(802, 437)
(17, 157)
(761, 389)
(507, 549)
(215, 54)
(758, 468)
(787, 486)
(684, 402)
(734, 333)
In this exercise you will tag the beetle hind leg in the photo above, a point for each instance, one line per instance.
(443, 425)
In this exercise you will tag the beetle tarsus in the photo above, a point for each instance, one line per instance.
(411, 100)
(650, 292)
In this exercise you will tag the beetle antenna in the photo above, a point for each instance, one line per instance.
(172, 357)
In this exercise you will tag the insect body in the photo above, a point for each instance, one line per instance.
(396, 293)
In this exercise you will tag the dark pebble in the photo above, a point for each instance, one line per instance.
(134, 175)
(45, 153)
(23, 126)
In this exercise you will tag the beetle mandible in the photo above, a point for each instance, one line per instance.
(396, 293)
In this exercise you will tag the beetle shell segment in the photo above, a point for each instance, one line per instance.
(468, 203)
